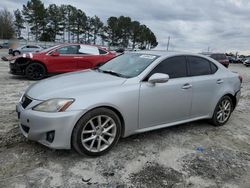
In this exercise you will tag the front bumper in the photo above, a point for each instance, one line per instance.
(37, 126)
(15, 69)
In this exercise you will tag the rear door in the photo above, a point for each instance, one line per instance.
(88, 57)
(166, 102)
(205, 85)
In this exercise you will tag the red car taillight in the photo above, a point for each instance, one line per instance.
(240, 77)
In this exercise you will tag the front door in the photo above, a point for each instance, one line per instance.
(66, 61)
(168, 102)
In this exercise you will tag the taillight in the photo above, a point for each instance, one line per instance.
(240, 77)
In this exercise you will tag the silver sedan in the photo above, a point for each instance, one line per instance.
(25, 49)
(132, 93)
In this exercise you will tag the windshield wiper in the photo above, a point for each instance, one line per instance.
(113, 73)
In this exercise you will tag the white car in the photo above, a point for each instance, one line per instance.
(25, 49)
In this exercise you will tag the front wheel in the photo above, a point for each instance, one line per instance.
(15, 53)
(96, 132)
(222, 111)
(35, 71)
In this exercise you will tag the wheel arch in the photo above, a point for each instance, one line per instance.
(40, 62)
(16, 51)
(233, 98)
(115, 110)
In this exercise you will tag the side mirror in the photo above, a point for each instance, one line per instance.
(55, 53)
(158, 78)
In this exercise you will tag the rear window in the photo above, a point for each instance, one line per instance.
(102, 51)
(199, 66)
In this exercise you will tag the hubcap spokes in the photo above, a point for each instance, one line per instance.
(224, 111)
(98, 133)
(35, 71)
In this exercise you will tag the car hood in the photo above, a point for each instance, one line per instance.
(74, 84)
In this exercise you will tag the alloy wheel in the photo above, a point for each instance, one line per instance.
(98, 133)
(224, 111)
(35, 71)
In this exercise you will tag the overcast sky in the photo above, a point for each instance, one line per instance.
(193, 25)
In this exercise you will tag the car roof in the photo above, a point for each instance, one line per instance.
(164, 54)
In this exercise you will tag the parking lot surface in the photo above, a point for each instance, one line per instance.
(196, 154)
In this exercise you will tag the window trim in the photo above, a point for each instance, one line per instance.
(145, 79)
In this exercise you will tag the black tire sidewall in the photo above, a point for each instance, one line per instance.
(32, 64)
(214, 119)
(76, 134)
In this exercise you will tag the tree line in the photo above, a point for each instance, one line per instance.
(68, 23)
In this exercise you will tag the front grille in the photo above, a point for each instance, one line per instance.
(25, 128)
(25, 101)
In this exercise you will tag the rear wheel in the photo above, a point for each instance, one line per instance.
(222, 111)
(35, 71)
(96, 132)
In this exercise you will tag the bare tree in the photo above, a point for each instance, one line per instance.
(7, 26)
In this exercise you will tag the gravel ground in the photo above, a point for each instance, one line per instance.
(189, 155)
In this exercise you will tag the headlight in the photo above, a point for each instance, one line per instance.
(54, 105)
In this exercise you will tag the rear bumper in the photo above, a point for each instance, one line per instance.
(237, 95)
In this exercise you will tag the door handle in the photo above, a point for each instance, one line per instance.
(219, 81)
(186, 86)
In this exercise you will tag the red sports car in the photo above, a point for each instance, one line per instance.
(58, 59)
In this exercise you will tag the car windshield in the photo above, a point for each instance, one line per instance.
(128, 65)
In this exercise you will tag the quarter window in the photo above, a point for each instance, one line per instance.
(102, 51)
(175, 67)
(213, 68)
(198, 66)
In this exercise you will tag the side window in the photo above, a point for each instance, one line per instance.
(175, 67)
(198, 66)
(33, 46)
(68, 50)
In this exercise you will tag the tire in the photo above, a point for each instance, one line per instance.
(89, 136)
(222, 111)
(35, 71)
(15, 53)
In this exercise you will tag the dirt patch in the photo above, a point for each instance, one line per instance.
(217, 164)
(154, 175)
(11, 138)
